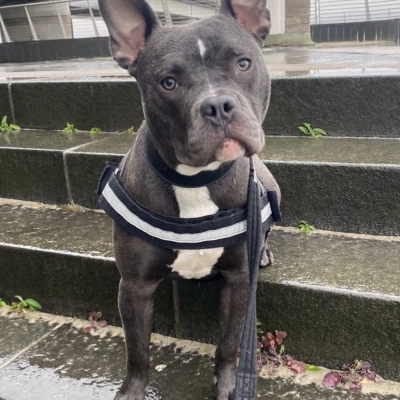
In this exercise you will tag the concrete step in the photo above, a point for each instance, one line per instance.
(343, 105)
(337, 295)
(43, 353)
(340, 184)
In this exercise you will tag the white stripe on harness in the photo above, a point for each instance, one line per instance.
(216, 234)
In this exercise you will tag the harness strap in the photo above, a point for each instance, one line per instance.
(225, 228)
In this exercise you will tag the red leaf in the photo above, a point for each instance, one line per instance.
(88, 328)
(298, 367)
(331, 379)
(355, 387)
(270, 335)
(280, 336)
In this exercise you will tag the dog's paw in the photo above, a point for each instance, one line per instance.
(225, 381)
(267, 258)
(133, 391)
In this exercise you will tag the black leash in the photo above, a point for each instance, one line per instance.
(247, 375)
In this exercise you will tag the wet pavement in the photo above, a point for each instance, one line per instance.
(323, 259)
(45, 357)
(351, 59)
(277, 148)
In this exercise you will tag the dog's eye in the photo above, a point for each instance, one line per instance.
(169, 83)
(244, 64)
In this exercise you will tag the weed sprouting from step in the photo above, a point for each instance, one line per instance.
(3, 303)
(69, 130)
(7, 129)
(96, 322)
(353, 374)
(271, 352)
(130, 130)
(306, 228)
(315, 133)
(23, 305)
(94, 132)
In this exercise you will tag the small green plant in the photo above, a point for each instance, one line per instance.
(305, 228)
(7, 129)
(130, 130)
(315, 133)
(69, 128)
(23, 305)
(3, 303)
(95, 131)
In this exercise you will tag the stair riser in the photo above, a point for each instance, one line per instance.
(338, 197)
(346, 198)
(356, 106)
(325, 327)
(73, 285)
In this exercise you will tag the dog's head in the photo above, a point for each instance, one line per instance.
(205, 88)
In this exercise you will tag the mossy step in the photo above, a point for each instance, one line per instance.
(340, 184)
(337, 295)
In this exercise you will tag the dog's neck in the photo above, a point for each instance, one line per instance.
(183, 175)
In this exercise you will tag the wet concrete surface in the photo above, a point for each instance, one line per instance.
(69, 364)
(341, 261)
(343, 150)
(349, 60)
(349, 262)
(277, 148)
(84, 232)
(50, 140)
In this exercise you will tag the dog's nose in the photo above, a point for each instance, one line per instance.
(219, 110)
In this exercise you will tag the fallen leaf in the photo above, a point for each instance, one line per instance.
(331, 379)
(298, 367)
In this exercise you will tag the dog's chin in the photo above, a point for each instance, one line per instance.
(229, 149)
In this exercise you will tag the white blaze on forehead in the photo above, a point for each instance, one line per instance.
(202, 48)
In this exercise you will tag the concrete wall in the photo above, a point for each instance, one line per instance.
(297, 25)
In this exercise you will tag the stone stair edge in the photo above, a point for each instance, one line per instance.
(73, 285)
(322, 193)
(49, 104)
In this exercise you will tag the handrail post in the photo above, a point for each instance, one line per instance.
(96, 31)
(367, 10)
(3, 27)
(64, 32)
(167, 14)
(31, 26)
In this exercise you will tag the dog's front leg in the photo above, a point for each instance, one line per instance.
(136, 309)
(233, 305)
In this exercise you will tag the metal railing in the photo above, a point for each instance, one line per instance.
(342, 11)
(62, 19)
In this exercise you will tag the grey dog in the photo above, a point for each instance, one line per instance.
(205, 92)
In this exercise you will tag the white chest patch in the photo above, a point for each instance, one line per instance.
(202, 48)
(193, 203)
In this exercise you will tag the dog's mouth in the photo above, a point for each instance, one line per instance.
(229, 149)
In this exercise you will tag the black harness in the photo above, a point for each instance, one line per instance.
(225, 228)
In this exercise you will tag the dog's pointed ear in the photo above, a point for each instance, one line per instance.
(130, 23)
(251, 14)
